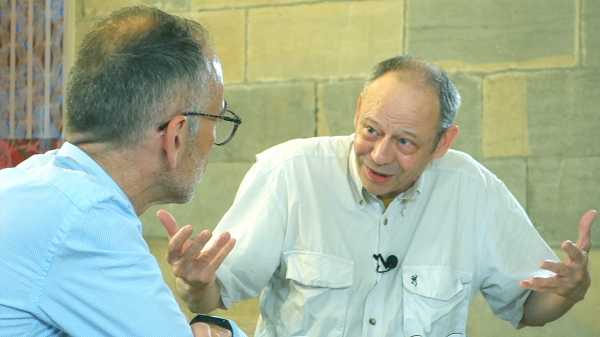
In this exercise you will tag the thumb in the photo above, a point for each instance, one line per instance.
(585, 229)
(168, 221)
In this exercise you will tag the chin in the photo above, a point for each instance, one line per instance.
(182, 197)
(189, 197)
(181, 192)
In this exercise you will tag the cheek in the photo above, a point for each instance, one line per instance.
(413, 164)
(406, 163)
(362, 147)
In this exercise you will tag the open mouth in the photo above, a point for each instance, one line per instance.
(377, 177)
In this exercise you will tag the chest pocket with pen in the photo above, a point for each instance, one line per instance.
(435, 301)
(318, 283)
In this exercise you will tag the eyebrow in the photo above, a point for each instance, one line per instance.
(408, 131)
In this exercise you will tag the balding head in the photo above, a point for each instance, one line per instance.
(407, 67)
(130, 67)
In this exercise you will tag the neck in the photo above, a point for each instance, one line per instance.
(387, 200)
(131, 169)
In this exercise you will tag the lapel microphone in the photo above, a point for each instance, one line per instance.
(388, 264)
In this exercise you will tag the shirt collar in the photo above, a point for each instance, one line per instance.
(362, 196)
(85, 163)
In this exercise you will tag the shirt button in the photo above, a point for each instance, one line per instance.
(385, 221)
(372, 321)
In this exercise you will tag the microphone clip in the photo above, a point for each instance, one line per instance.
(388, 264)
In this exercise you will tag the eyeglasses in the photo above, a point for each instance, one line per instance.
(227, 123)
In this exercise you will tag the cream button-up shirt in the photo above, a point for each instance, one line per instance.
(307, 232)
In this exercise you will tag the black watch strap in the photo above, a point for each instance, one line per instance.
(218, 321)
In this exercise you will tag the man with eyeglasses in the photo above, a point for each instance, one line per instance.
(144, 108)
(386, 232)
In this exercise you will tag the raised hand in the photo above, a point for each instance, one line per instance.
(572, 279)
(190, 259)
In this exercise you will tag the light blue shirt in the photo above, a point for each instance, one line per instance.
(72, 257)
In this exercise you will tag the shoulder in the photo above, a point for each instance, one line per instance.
(315, 149)
(53, 193)
(460, 165)
(315, 160)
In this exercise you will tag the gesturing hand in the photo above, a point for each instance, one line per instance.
(572, 278)
(190, 259)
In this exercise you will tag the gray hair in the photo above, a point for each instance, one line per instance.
(436, 77)
(129, 68)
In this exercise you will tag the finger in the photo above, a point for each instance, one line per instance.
(212, 251)
(575, 254)
(540, 284)
(168, 221)
(585, 230)
(198, 243)
(222, 253)
(201, 330)
(176, 243)
(557, 267)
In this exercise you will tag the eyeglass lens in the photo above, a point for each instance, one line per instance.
(223, 129)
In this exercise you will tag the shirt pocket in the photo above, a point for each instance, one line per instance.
(435, 301)
(319, 290)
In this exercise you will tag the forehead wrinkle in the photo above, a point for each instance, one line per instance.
(393, 118)
(401, 112)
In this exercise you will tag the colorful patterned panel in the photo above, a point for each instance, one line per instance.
(31, 77)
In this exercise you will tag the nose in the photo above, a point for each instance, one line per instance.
(382, 153)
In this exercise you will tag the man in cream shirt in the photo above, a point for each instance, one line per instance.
(386, 232)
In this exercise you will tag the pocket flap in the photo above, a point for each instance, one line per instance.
(434, 282)
(319, 270)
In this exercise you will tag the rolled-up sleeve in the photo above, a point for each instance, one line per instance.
(518, 250)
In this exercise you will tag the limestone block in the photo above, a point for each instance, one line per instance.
(220, 4)
(563, 113)
(492, 35)
(227, 30)
(560, 190)
(213, 197)
(505, 124)
(337, 106)
(271, 114)
(591, 27)
(96, 8)
(513, 172)
(469, 115)
(341, 39)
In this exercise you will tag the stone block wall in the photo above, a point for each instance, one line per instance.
(528, 71)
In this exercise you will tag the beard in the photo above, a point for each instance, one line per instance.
(198, 175)
(182, 187)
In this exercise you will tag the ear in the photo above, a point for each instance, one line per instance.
(446, 141)
(357, 111)
(173, 140)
